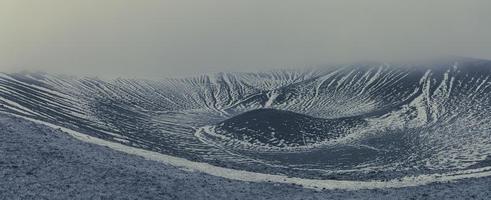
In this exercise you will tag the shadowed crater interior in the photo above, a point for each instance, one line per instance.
(279, 128)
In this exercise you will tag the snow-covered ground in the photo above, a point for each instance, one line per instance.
(39, 162)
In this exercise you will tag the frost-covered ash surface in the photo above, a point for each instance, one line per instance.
(38, 162)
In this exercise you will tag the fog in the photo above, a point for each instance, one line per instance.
(165, 38)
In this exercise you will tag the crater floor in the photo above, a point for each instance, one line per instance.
(279, 128)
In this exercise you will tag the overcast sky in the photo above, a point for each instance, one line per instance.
(150, 38)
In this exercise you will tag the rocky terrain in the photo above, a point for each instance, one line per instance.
(38, 162)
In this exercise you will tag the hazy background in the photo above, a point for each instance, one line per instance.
(152, 39)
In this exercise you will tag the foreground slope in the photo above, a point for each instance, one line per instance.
(38, 162)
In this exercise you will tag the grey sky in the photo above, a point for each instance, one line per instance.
(150, 38)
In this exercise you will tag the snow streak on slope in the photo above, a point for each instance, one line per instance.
(359, 122)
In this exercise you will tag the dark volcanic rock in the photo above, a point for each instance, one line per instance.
(284, 128)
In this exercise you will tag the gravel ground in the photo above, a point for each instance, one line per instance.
(38, 162)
